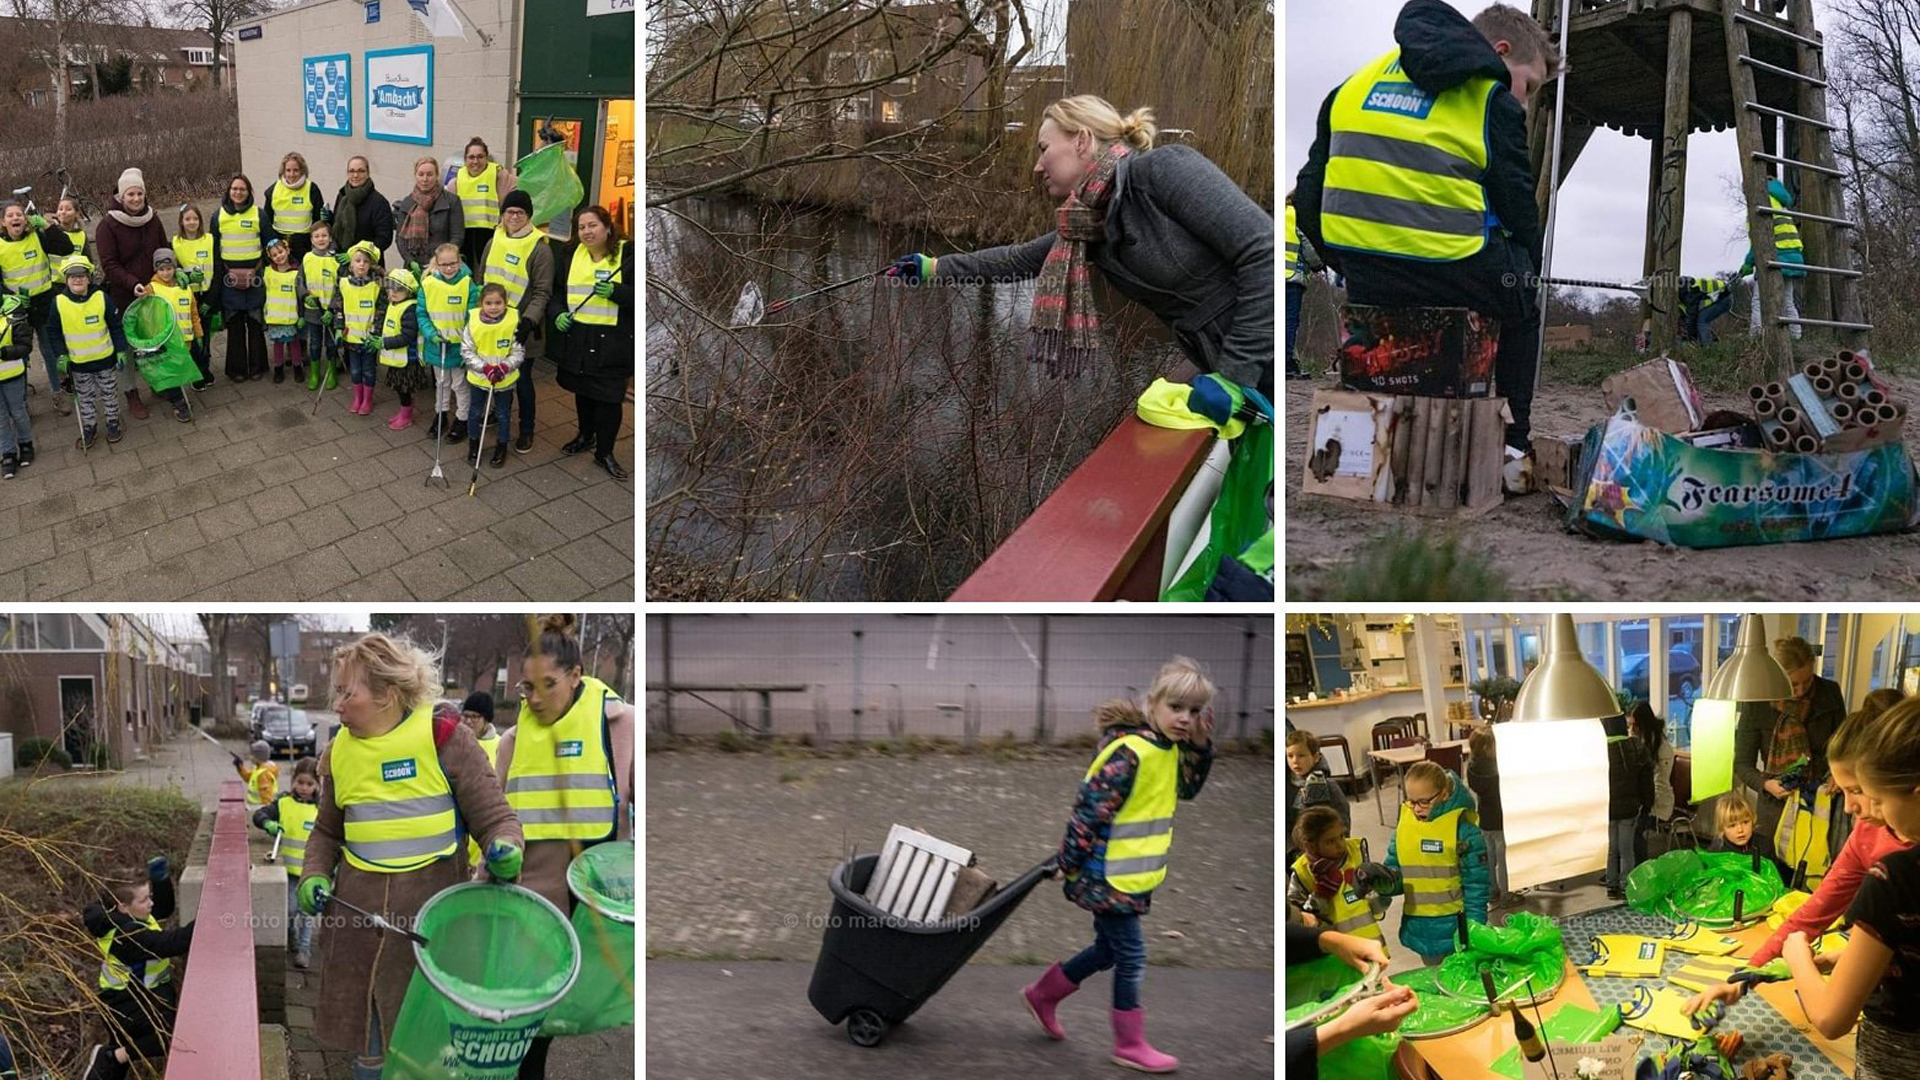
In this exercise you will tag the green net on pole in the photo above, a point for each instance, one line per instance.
(549, 180)
(1240, 514)
(1527, 957)
(497, 958)
(158, 350)
(601, 879)
(1702, 885)
(1311, 985)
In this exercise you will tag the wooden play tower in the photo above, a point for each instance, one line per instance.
(1663, 69)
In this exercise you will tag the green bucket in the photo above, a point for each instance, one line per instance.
(497, 958)
(601, 879)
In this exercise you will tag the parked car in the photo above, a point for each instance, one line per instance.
(1683, 677)
(286, 728)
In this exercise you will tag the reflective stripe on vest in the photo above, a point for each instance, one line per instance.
(23, 265)
(1294, 273)
(446, 304)
(479, 196)
(396, 313)
(507, 260)
(1350, 913)
(115, 975)
(1802, 835)
(1135, 851)
(1429, 853)
(494, 342)
(240, 235)
(180, 299)
(292, 208)
(195, 255)
(358, 304)
(84, 323)
(398, 805)
(10, 369)
(582, 276)
(323, 276)
(561, 782)
(1405, 168)
(296, 824)
(283, 296)
(1786, 235)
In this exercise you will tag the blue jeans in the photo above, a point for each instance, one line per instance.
(319, 342)
(299, 927)
(45, 334)
(502, 412)
(360, 363)
(1620, 851)
(15, 428)
(1295, 294)
(1117, 945)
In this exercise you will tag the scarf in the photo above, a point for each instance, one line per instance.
(1327, 875)
(414, 229)
(131, 221)
(1789, 742)
(346, 214)
(1064, 332)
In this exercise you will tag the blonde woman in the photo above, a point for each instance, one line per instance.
(427, 217)
(1768, 739)
(386, 839)
(1165, 227)
(291, 206)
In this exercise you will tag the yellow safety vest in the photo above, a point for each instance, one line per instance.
(493, 341)
(399, 807)
(292, 208)
(1429, 853)
(180, 299)
(395, 314)
(196, 255)
(115, 975)
(296, 824)
(323, 276)
(582, 276)
(1705, 972)
(446, 304)
(358, 304)
(283, 296)
(1137, 843)
(84, 323)
(10, 369)
(23, 265)
(1801, 836)
(1295, 274)
(1627, 956)
(507, 261)
(240, 235)
(561, 783)
(1786, 235)
(78, 238)
(491, 744)
(1350, 914)
(479, 196)
(1405, 169)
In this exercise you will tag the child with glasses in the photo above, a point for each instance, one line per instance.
(1437, 858)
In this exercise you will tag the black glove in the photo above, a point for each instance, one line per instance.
(524, 331)
(1371, 877)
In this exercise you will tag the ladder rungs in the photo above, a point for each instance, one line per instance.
(1783, 320)
(1814, 269)
(1808, 165)
(1764, 66)
(1785, 115)
(1783, 212)
(1775, 28)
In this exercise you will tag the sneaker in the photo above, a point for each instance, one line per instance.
(182, 413)
(26, 454)
(9, 466)
(113, 431)
(499, 457)
(85, 440)
(523, 444)
(302, 960)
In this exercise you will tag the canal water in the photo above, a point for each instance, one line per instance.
(873, 443)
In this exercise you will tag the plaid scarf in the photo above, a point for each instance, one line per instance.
(1064, 332)
(1328, 874)
(1789, 742)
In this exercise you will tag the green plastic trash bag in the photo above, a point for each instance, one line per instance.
(1700, 885)
(1240, 512)
(1310, 986)
(158, 350)
(601, 879)
(1572, 1024)
(1527, 957)
(497, 958)
(1438, 1013)
(549, 180)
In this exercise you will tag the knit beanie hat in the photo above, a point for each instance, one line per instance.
(164, 257)
(132, 178)
(480, 702)
(517, 200)
(261, 751)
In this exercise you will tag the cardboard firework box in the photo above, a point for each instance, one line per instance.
(1422, 352)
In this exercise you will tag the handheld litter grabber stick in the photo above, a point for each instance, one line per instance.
(274, 855)
(324, 898)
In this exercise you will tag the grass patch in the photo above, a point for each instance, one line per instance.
(1406, 565)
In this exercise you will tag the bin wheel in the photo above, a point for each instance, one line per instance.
(865, 1028)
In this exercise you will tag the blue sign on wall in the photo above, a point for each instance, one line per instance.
(373, 11)
(328, 94)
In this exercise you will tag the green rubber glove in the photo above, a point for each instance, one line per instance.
(326, 319)
(120, 359)
(415, 268)
(62, 362)
(313, 302)
(565, 320)
(604, 289)
(341, 257)
(503, 861)
(314, 893)
(37, 222)
(11, 303)
(273, 827)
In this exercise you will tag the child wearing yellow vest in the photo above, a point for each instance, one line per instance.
(359, 310)
(136, 971)
(448, 294)
(193, 252)
(16, 428)
(319, 280)
(1116, 848)
(85, 333)
(285, 294)
(400, 344)
(290, 816)
(166, 284)
(491, 349)
(1438, 859)
(1321, 881)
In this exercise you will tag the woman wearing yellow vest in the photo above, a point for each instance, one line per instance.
(567, 768)
(481, 185)
(397, 787)
(239, 251)
(519, 259)
(1321, 882)
(136, 972)
(292, 207)
(1117, 844)
(1438, 859)
(290, 816)
(193, 253)
(596, 357)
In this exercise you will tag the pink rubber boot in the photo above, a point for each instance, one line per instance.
(1130, 1046)
(1043, 996)
(402, 419)
(354, 406)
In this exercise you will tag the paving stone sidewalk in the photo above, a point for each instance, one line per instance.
(260, 499)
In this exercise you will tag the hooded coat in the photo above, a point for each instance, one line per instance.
(1433, 935)
(1792, 255)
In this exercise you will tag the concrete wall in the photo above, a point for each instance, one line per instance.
(472, 90)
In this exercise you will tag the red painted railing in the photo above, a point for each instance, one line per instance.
(217, 1034)
(1102, 534)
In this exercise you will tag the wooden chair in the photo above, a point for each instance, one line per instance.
(1420, 727)
(1339, 762)
(1448, 758)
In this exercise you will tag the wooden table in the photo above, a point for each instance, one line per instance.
(1470, 1054)
(1400, 757)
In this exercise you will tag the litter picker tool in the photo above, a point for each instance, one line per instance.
(440, 434)
(274, 855)
(320, 391)
(377, 920)
(480, 444)
(575, 310)
(749, 310)
(1582, 283)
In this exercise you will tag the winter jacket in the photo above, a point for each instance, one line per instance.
(1434, 935)
(1791, 255)
(1483, 778)
(1754, 730)
(1629, 779)
(445, 225)
(1317, 788)
(516, 355)
(267, 231)
(135, 943)
(1866, 845)
(1183, 241)
(1439, 50)
(126, 251)
(533, 306)
(373, 220)
(409, 335)
(544, 868)
(57, 337)
(596, 362)
(1099, 800)
(56, 246)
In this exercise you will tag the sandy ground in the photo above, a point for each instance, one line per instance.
(1526, 540)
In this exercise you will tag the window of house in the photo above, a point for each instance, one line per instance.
(890, 112)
